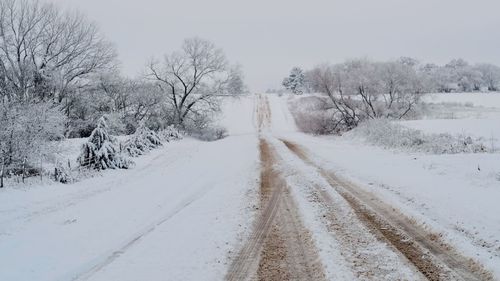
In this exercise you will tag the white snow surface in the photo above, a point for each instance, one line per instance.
(455, 195)
(477, 115)
(182, 212)
(175, 216)
(470, 99)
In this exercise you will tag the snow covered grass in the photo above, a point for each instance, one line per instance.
(486, 129)
(491, 99)
(391, 135)
(461, 114)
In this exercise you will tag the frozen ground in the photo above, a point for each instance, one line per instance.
(175, 216)
(472, 114)
(188, 209)
(454, 195)
(467, 99)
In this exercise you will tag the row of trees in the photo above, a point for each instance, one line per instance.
(455, 76)
(59, 75)
(361, 89)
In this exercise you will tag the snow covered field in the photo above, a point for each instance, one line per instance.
(491, 99)
(474, 114)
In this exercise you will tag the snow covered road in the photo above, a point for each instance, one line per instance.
(176, 214)
(265, 203)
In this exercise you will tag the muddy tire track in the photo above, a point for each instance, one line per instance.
(246, 263)
(279, 247)
(433, 258)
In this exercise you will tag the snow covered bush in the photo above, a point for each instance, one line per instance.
(62, 174)
(141, 141)
(312, 115)
(28, 132)
(100, 151)
(209, 133)
(387, 134)
(170, 133)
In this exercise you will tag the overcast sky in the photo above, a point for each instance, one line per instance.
(268, 37)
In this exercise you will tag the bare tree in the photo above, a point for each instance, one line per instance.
(193, 78)
(43, 51)
(330, 79)
(491, 75)
(361, 89)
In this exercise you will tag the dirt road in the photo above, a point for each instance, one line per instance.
(375, 240)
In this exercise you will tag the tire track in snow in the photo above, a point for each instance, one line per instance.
(434, 259)
(279, 247)
(106, 259)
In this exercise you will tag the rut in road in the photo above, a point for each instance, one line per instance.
(279, 247)
(288, 252)
(433, 258)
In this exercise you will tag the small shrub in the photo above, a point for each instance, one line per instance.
(312, 115)
(141, 141)
(387, 134)
(210, 133)
(100, 151)
(170, 133)
(61, 174)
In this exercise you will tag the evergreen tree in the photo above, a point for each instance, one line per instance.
(144, 139)
(295, 81)
(100, 151)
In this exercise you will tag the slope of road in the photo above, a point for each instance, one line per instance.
(177, 215)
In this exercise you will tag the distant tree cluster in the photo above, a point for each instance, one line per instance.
(361, 89)
(456, 76)
(460, 76)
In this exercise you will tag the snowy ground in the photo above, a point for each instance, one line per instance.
(454, 195)
(186, 209)
(472, 114)
(175, 216)
(486, 100)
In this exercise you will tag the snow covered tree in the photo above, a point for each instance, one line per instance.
(44, 51)
(193, 79)
(100, 151)
(295, 81)
(170, 133)
(143, 140)
(491, 76)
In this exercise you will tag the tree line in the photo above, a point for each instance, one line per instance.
(361, 89)
(59, 75)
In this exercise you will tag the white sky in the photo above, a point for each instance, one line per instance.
(268, 37)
